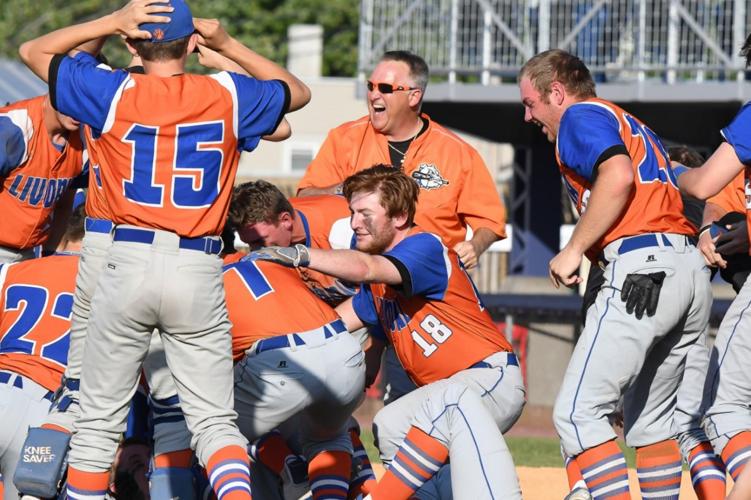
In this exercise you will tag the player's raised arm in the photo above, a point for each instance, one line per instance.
(212, 35)
(38, 53)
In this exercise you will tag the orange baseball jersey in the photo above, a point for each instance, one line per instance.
(37, 302)
(456, 189)
(435, 319)
(265, 300)
(231, 258)
(168, 148)
(96, 205)
(595, 130)
(326, 223)
(35, 173)
(738, 135)
(732, 198)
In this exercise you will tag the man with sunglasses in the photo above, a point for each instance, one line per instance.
(456, 189)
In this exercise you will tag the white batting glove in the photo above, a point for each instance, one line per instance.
(296, 256)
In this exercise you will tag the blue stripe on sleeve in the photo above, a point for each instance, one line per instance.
(587, 130)
(261, 104)
(84, 91)
(738, 134)
(426, 260)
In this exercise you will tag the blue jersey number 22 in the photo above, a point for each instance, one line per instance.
(32, 301)
(194, 158)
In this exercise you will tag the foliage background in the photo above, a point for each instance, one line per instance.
(259, 24)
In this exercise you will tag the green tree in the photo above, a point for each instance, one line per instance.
(260, 24)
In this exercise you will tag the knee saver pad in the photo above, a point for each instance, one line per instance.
(169, 483)
(42, 462)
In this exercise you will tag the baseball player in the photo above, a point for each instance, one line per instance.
(264, 217)
(167, 164)
(36, 299)
(41, 156)
(294, 358)
(456, 189)
(727, 421)
(416, 294)
(707, 471)
(619, 178)
(173, 457)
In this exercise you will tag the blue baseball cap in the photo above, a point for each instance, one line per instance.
(181, 24)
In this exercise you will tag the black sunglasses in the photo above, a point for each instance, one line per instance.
(387, 88)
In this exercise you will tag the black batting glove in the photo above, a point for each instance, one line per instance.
(641, 292)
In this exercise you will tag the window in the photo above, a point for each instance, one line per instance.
(300, 158)
(298, 155)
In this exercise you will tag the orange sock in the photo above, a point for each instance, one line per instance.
(329, 473)
(658, 467)
(179, 458)
(419, 457)
(604, 470)
(707, 472)
(271, 450)
(364, 480)
(737, 453)
(87, 484)
(229, 473)
(573, 473)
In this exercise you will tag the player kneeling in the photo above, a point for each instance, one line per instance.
(37, 296)
(416, 294)
(294, 358)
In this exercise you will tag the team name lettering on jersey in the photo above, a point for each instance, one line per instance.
(392, 314)
(38, 190)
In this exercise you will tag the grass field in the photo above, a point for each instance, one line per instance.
(527, 451)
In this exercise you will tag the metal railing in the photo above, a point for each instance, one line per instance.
(619, 40)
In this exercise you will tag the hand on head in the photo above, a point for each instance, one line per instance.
(129, 19)
(210, 32)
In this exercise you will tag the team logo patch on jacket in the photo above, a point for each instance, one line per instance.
(427, 176)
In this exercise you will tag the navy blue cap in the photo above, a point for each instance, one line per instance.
(180, 26)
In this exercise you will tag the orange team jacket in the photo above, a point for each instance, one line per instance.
(265, 300)
(34, 173)
(456, 189)
(37, 302)
(168, 147)
(96, 205)
(435, 319)
(326, 223)
(594, 131)
(738, 135)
